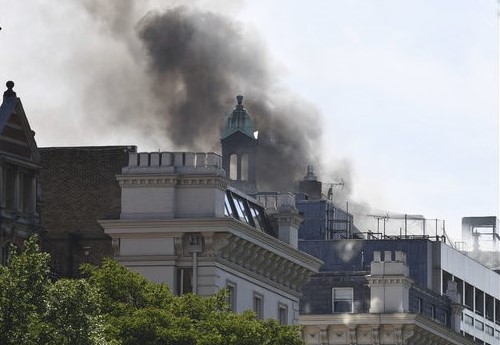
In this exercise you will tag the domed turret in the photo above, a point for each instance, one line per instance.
(239, 149)
(239, 120)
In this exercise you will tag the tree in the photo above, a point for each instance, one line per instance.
(113, 305)
(36, 310)
(138, 311)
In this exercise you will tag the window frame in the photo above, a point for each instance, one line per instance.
(282, 314)
(231, 295)
(184, 274)
(258, 305)
(336, 299)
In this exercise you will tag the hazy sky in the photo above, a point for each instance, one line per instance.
(407, 90)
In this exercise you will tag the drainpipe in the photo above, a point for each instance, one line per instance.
(195, 272)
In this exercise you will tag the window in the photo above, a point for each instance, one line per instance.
(489, 304)
(433, 312)
(9, 175)
(342, 300)
(419, 305)
(469, 320)
(479, 301)
(497, 311)
(231, 296)
(26, 192)
(244, 167)
(489, 330)
(258, 305)
(184, 280)
(247, 211)
(233, 167)
(282, 314)
(240, 209)
(469, 296)
(228, 211)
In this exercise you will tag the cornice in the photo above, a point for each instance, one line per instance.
(148, 227)
(263, 279)
(170, 180)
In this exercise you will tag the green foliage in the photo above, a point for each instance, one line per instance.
(35, 310)
(113, 305)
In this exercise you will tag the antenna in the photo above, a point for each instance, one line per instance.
(332, 184)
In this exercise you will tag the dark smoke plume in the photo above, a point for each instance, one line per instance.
(197, 61)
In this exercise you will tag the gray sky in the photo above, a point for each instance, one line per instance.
(407, 90)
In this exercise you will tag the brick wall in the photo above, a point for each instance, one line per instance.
(78, 189)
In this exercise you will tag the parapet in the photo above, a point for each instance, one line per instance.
(189, 163)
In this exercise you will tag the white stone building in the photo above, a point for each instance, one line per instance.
(182, 225)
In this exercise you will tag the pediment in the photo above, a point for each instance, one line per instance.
(16, 137)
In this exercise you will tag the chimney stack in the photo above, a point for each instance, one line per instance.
(310, 185)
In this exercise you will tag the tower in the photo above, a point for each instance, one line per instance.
(239, 149)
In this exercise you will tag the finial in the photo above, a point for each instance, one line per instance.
(9, 92)
(239, 98)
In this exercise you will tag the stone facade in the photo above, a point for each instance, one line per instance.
(182, 225)
(19, 174)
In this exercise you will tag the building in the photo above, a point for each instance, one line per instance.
(19, 174)
(197, 222)
(323, 219)
(348, 275)
(181, 224)
(173, 217)
(79, 187)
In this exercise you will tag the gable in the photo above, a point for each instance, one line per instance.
(16, 136)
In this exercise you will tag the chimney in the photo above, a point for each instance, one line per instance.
(310, 185)
(287, 219)
(389, 283)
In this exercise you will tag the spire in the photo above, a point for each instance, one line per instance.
(9, 93)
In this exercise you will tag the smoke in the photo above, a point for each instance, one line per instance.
(194, 62)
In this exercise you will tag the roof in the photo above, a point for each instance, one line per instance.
(239, 120)
(6, 109)
(16, 137)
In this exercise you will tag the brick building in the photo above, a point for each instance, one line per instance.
(79, 187)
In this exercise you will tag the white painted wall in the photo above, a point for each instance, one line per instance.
(152, 202)
(197, 202)
(147, 246)
(469, 270)
(154, 273)
(245, 289)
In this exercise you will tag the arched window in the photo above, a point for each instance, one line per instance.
(244, 167)
(233, 167)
